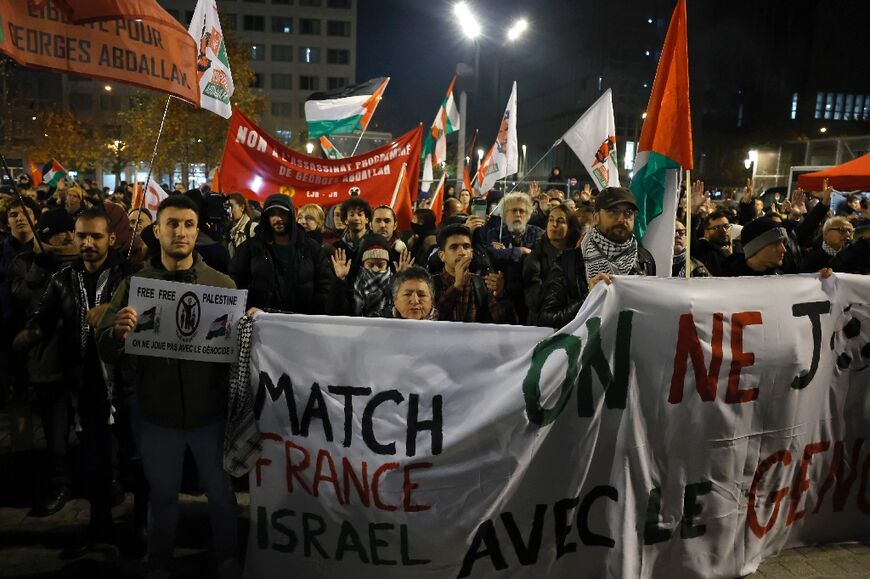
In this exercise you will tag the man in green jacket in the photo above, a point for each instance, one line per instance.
(181, 403)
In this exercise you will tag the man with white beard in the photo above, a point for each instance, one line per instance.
(508, 246)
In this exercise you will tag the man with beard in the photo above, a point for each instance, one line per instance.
(608, 249)
(678, 268)
(182, 403)
(78, 295)
(281, 267)
(715, 246)
(462, 296)
(508, 246)
(384, 223)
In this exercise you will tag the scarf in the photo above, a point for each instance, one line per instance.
(371, 293)
(604, 256)
(239, 231)
(679, 266)
(828, 249)
(64, 254)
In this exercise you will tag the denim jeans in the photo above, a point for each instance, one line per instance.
(162, 450)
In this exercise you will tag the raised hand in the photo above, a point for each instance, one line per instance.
(698, 198)
(827, 192)
(405, 261)
(799, 201)
(340, 265)
(747, 192)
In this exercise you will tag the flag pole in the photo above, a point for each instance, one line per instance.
(688, 223)
(365, 128)
(398, 185)
(148, 178)
(21, 200)
(535, 166)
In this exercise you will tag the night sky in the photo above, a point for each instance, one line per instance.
(418, 44)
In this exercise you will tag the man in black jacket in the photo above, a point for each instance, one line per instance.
(609, 249)
(77, 296)
(281, 267)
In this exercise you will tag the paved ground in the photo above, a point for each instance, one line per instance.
(31, 547)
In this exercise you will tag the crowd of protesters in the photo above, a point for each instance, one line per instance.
(532, 257)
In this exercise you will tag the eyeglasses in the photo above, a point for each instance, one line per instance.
(679, 232)
(843, 230)
(627, 213)
(725, 227)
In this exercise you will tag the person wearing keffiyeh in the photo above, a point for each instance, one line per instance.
(362, 287)
(608, 249)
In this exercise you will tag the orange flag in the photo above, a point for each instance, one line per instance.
(667, 129)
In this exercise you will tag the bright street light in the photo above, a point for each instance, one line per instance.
(515, 31)
(309, 148)
(752, 156)
(643, 116)
(107, 88)
(467, 20)
(479, 155)
(823, 130)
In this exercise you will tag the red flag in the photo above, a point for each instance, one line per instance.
(35, 173)
(372, 104)
(401, 202)
(667, 129)
(466, 180)
(437, 204)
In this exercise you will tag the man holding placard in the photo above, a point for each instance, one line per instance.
(182, 398)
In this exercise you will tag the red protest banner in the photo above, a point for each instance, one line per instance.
(256, 165)
(149, 54)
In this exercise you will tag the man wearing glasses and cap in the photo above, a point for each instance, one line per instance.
(610, 248)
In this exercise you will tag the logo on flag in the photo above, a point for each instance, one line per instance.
(607, 151)
(593, 140)
(212, 64)
(149, 320)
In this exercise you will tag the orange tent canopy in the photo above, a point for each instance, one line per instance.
(849, 176)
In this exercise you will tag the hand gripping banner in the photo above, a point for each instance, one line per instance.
(674, 429)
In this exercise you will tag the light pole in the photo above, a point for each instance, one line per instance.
(471, 29)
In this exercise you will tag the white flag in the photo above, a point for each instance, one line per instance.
(593, 140)
(503, 158)
(154, 194)
(428, 176)
(212, 63)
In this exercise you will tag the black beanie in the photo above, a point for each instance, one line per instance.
(760, 232)
(53, 222)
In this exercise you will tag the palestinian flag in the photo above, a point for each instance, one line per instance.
(52, 173)
(35, 173)
(665, 146)
(219, 327)
(149, 320)
(344, 110)
(329, 149)
(446, 122)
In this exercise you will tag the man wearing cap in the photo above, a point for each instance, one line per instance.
(764, 242)
(608, 249)
(281, 267)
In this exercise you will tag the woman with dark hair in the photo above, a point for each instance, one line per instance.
(563, 232)
(243, 226)
(423, 240)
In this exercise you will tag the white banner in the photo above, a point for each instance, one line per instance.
(185, 321)
(674, 429)
(593, 140)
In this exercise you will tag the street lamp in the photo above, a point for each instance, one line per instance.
(467, 20)
(107, 88)
(309, 147)
(823, 130)
(517, 29)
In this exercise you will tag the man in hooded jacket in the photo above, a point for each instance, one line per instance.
(281, 267)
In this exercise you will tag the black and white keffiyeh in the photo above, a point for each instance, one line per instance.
(242, 441)
(371, 293)
(604, 256)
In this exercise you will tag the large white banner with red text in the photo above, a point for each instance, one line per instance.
(676, 428)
